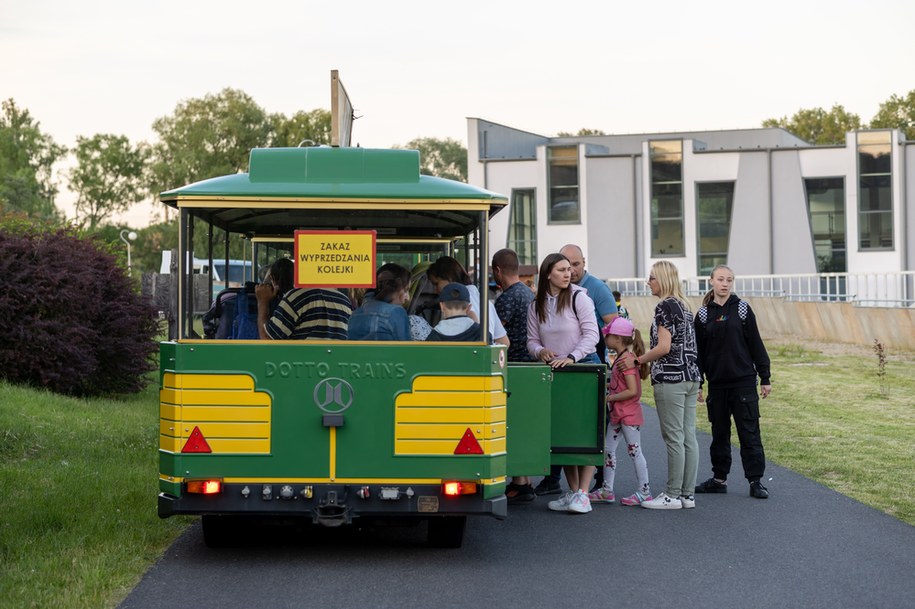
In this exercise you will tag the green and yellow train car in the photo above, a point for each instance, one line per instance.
(332, 431)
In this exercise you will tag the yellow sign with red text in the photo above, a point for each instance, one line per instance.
(335, 259)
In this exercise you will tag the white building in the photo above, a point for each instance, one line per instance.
(762, 200)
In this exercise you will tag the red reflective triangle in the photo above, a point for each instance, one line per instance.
(468, 445)
(197, 443)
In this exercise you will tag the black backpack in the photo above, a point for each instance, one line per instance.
(742, 312)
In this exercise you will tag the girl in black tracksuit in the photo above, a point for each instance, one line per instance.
(731, 357)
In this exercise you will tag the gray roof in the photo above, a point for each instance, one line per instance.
(501, 142)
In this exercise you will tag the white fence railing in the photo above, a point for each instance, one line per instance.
(895, 289)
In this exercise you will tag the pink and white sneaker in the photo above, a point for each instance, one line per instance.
(635, 498)
(602, 495)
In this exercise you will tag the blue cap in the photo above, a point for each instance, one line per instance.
(454, 292)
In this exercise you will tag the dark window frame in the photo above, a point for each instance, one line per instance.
(566, 192)
(726, 223)
(833, 265)
(526, 255)
(656, 149)
(866, 215)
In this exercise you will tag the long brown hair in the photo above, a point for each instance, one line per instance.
(543, 286)
(449, 269)
(390, 279)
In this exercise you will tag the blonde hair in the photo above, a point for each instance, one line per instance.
(668, 279)
(711, 293)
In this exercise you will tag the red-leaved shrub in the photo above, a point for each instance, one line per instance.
(70, 320)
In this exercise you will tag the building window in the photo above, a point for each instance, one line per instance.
(564, 204)
(875, 194)
(666, 198)
(522, 226)
(714, 202)
(826, 208)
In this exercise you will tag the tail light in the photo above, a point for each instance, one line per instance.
(455, 489)
(204, 487)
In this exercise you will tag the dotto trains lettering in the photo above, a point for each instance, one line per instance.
(354, 370)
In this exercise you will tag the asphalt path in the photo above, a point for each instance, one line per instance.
(804, 547)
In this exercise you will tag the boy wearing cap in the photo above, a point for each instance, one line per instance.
(456, 324)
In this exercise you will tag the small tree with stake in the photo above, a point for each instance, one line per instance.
(881, 365)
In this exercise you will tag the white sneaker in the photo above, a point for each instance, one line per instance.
(561, 504)
(687, 501)
(663, 502)
(580, 503)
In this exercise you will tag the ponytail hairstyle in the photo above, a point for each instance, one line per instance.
(711, 293)
(635, 344)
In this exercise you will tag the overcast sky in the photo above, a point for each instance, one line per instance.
(418, 69)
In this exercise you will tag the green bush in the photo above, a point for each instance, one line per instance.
(70, 319)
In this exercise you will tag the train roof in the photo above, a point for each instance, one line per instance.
(323, 187)
(333, 173)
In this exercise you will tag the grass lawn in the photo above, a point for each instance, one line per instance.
(79, 477)
(831, 418)
(79, 481)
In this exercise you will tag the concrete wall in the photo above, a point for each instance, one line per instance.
(837, 322)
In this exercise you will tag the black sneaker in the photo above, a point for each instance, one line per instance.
(547, 486)
(712, 486)
(758, 490)
(519, 493)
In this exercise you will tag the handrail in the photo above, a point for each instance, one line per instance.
(889, 289)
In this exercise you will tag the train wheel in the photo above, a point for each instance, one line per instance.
(447, 531)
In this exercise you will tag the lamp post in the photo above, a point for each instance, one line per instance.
(133, 237)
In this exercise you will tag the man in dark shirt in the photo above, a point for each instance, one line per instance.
(512, 306)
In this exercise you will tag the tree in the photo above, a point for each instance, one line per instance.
(208, 137)
(817, 126)
(897, 113)
(444, 158)
(302, 126)
(581, 132)
(26, 158)
(108, 177)
(151, 242)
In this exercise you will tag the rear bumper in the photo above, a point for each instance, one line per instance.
(331, 504)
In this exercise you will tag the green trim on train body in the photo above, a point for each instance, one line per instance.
(578, 414)
(529, 428)
(334, 174)
(376, 375)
